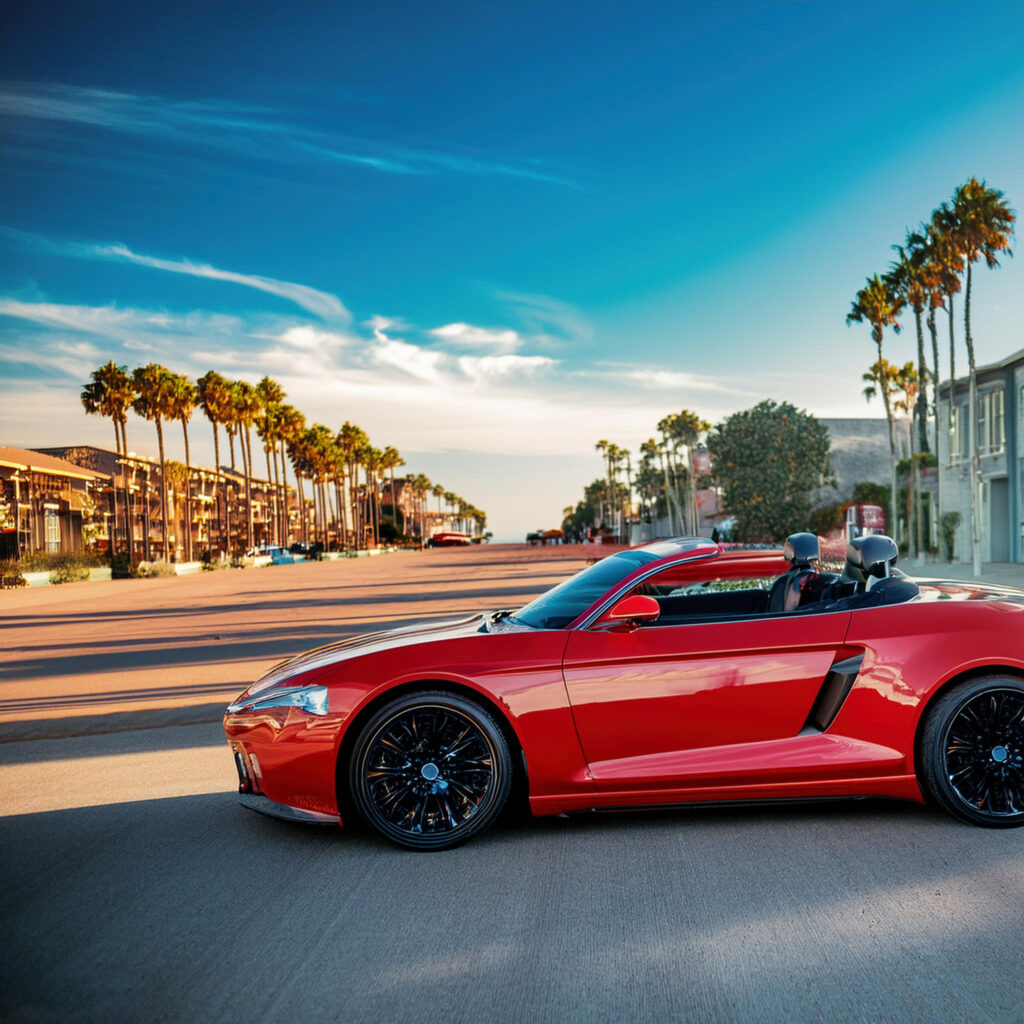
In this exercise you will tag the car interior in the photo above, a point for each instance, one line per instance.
(869, 579)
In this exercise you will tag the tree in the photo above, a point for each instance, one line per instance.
(154, 388)
(246, 408)
(270, 395)
(215, 400)
(291, 423)
(110, 392)
(907, 277)
(898, 387)
(769, 460)
(181, 404)
(878, 304)
(390, 462)
(980, 224)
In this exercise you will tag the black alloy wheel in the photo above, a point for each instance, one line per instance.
(972, 752)
(431, 770)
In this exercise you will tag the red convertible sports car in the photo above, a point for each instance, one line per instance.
(676, 673)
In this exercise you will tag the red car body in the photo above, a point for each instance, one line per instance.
(761, 708)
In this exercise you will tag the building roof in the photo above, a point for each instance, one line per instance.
(21, 458)
(1002, 364)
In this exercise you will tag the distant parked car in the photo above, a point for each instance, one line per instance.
(449, 539)
(307, 551)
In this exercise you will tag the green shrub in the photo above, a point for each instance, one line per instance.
(70, 569)
(947, 527)
(153, 570)
(44, 561)
(11, 577)
(121, 566)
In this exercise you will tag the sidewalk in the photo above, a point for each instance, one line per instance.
(1009, 574)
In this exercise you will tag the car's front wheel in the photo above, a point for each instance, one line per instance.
(430, 770)
(972, 751)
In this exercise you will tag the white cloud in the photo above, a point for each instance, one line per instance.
(484, 368)
(224, 124)
(468, 336)
(310, 339)
(321, 304)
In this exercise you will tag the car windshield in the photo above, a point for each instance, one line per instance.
(559, 606)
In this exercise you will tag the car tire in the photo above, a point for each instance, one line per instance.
(430, 770)
(972, 751)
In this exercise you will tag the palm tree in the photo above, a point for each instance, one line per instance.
(291, 423)
(906, 277)
(351, 440)
(246, 408)
(270, 395)
(981, 227)
(154, 388)
(421, 487)
(182, 403)
(215, 400)
(110, 392)
(879, 305)
(391, 461)
(890, 381)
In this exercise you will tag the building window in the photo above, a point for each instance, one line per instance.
(958, 433)
(52, 531)
(991, 422)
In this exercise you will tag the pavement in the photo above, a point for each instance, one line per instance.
(1007, 574)
(137, 889)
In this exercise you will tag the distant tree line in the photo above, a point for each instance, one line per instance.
(343, 471)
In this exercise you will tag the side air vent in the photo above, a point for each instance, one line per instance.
(832, 693)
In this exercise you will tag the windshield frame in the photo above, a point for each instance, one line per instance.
(615, 589)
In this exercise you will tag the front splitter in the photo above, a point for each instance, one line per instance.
(264, 805)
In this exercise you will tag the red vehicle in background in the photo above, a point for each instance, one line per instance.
(863, 520)
(449, 539)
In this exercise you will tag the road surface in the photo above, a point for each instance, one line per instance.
(137, 889)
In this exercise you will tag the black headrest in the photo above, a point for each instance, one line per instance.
(801, 549)
(874, 554)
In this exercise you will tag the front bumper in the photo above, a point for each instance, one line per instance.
(264, 805)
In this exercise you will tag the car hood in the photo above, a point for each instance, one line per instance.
(370, 643)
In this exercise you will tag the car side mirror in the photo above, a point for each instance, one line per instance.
(630, 612)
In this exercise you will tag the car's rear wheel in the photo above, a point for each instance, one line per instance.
(430, 770)
(972, 751)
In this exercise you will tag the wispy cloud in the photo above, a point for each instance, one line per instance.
(549, 319)
(225, 124)
(321, 304)
(468, 336)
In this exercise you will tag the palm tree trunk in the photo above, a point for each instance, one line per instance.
(128, 516)
(269, 493)
(344, 506)
(112, 535)
(245, 440)
(221, 496)
(877, 336)
(921, 410)
(972, 419)
(163, 489)
(394, 507)
(284, 495)
(188, 495)
(231, 442)
(935, 407)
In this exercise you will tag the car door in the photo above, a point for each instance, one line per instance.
(662, 704)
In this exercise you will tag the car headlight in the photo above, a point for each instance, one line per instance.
(311, 699)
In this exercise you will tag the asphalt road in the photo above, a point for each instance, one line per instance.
(137, 889)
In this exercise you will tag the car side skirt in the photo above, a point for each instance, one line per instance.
(899, 787)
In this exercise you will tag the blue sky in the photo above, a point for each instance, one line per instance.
(489, 233)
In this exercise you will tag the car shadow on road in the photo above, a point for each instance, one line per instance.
(175, 903)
